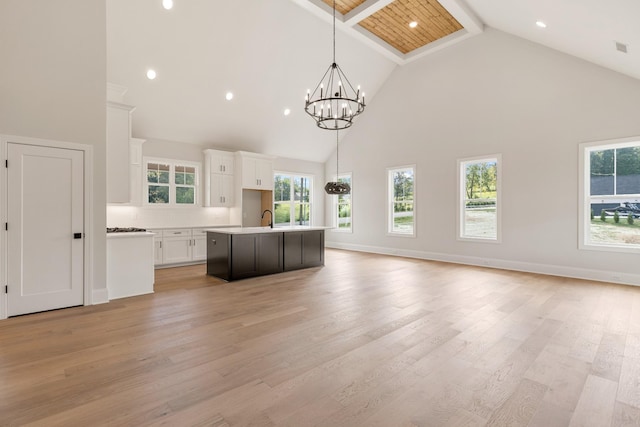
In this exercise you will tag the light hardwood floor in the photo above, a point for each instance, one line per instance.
(367, 340)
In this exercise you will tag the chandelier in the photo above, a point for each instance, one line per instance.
(337, 187)
(334, 103)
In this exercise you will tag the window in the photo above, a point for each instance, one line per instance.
(158, 183)
(185, 184)
(171, 182)
(610, 195)
(292, 199)
(343, 206)
(401, 201)
(479, 216)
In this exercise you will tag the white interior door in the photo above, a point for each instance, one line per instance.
(45, 234)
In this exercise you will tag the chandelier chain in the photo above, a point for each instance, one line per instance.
(334, 31)
(337, 170)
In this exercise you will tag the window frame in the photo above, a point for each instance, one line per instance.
(172, 163)
(460, 218)
(585, 198)
(391, 202)
(336, 205)
(292, 202)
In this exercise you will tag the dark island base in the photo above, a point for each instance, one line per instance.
(239, 256)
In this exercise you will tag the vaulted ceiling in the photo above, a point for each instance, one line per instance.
(269, 52)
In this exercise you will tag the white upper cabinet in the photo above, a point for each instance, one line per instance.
(219, 178)
(220, 161)
(136, 170)
(120, 185)
(257, 171)
(118, 160)
(221, 192)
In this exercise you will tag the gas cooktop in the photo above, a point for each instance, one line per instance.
(125, 230)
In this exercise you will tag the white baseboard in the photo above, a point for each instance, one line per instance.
(100, 296)
(552, 270)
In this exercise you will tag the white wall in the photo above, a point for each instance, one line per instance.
(53, 86)
(493, 93)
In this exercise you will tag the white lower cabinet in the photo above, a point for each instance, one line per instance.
(157, 246)
(179, 246)
(176, 246)
(199, 248)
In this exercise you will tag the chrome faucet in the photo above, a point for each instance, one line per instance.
(270, 222)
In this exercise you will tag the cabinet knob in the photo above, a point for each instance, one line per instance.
(213, 241)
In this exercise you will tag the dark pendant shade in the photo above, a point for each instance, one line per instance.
(337, 188)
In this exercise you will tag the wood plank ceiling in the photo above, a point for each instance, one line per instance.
(391, 23)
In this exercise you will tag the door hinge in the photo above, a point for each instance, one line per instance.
(6, 289)
(6, 225)
(6, 163)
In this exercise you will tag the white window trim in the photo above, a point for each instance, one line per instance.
(390, 202)
(172, 186)
(584, 196)
(292, 211)
(461, 192)
(336, 213)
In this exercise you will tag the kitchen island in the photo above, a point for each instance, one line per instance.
(242, 252)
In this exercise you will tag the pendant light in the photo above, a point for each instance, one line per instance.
(337, 187)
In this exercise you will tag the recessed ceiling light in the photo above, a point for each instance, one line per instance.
(413, 24)
(541, 24)
(229, 96)
(151, 74)
(167, 4)
(287, 111)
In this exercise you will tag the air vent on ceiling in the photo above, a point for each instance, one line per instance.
(621, 47)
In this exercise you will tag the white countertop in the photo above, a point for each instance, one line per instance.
(254, 230)
(130, 234)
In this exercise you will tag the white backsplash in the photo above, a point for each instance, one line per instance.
(159, 217)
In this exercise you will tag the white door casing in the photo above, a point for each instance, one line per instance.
(45, 208)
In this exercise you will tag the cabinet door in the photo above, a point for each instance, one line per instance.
(118, 134)
(244, 256)
(249, 179)
(270, 253)
(176, 246)
(264, 174)
(313, 248)
(157, 246)
(221, 188)
(257, 173)
(221, 162)
(136, 171)
(227, 190)
(157, 251)
(199, 249)
(227, 162)
(198, 244)
(303, 249)
(293, 250)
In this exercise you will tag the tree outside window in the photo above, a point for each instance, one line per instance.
(158, 183)
(185, 180)
(479, 211)
(401, 201)
(343, 206)
(292, 199)
(170, 183)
